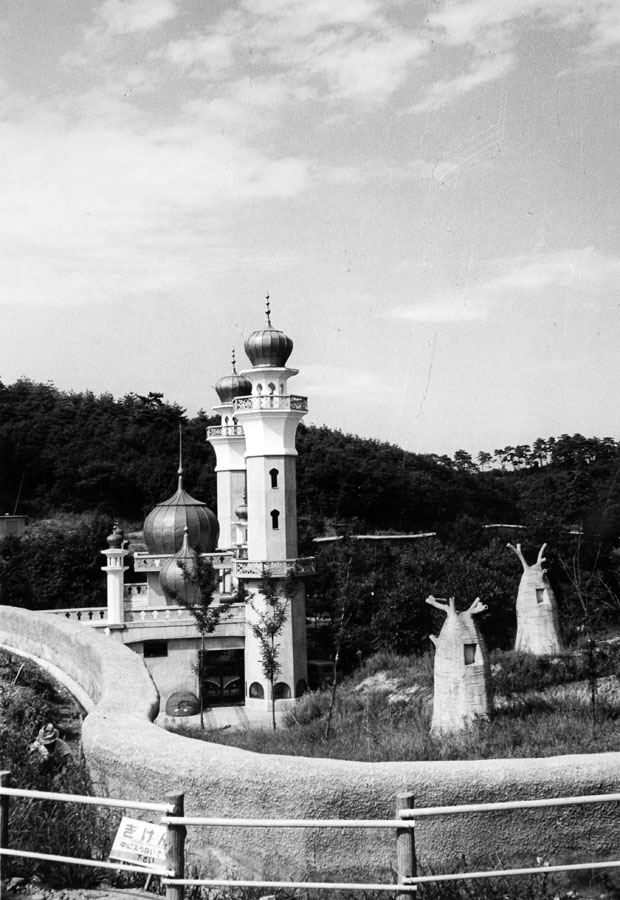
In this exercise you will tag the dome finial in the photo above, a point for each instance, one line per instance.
(234, 360)
(180, 472)
(268, 311)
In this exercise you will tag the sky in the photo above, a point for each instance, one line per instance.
(428, 190)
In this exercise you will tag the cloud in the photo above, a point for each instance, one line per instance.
(481, 71)
(130, 16)
(209, 52)
(442, 310)
(490, 31)
(94, 208)
(582, 275)
(563, 269)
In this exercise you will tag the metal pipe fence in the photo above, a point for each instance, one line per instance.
(404, 823)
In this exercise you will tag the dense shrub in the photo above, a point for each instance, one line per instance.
(28, 699)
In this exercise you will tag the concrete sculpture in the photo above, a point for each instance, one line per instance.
(462, 690)
(538, 627)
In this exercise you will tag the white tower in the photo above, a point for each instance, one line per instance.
(115, 571)
(269, 416)
(228, 442)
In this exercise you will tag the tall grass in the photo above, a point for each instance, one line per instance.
(383, 712)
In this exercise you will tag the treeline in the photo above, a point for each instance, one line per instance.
(76, 452)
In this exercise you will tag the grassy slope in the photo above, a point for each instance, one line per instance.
(543, 707)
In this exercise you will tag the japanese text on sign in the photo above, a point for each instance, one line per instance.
(140, 843)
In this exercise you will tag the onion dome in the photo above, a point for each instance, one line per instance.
(164, 526)
(115, 539)
(268, 346)
(231, 386)
(176, 573)
(241, 511)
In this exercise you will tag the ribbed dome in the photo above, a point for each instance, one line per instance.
(231, 386)
(164, 526)
(115, 539)
(175, 575)
(268, 346)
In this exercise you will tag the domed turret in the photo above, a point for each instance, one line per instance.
(231, 386)
(115, 539)
(175, 576)
(165, 525)
(268, 346)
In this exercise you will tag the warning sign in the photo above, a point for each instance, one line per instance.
(140, 843)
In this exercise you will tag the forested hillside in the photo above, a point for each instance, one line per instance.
(93, 458)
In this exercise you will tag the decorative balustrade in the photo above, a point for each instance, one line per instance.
(272, 401)
(87, 615)
(216, 431)
(176, 614)
(277, 568)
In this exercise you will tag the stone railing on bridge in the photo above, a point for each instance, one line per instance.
(276, 568)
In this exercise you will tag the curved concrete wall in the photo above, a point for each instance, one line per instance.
(130, 757)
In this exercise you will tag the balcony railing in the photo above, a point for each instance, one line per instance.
(276, 568)
(272, 401)
(216, 431)
(87, 615)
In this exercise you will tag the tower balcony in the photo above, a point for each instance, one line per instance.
(217, 431)
(273, 568)
(284, 402)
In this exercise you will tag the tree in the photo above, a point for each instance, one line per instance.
(199, 601)
(484, 459)
(271, 614)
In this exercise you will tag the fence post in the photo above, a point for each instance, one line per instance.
(405, 844)
(5, 780)
(175, 846)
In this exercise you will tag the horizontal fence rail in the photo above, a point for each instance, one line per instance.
(288, 823)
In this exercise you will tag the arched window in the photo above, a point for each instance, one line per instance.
(300, 688)
(256, 690)
(281, 691)
(275, 517)
(274, 477)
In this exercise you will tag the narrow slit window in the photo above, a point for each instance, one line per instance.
(275, 519)
(273, 474)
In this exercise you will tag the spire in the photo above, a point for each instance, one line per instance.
(180, 472)
(268, 312)
(234, 360)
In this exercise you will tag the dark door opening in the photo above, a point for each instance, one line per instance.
(223, 678)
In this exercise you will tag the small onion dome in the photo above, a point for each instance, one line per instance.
(164, 525)
(241, 511)
(268, 346)
(176, 574)
(115, 539)
(231, 386)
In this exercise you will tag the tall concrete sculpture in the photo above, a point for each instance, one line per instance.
(462, 690)
(538, 627)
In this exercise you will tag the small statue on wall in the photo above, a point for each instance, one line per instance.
(462, 689)
(538, 627)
